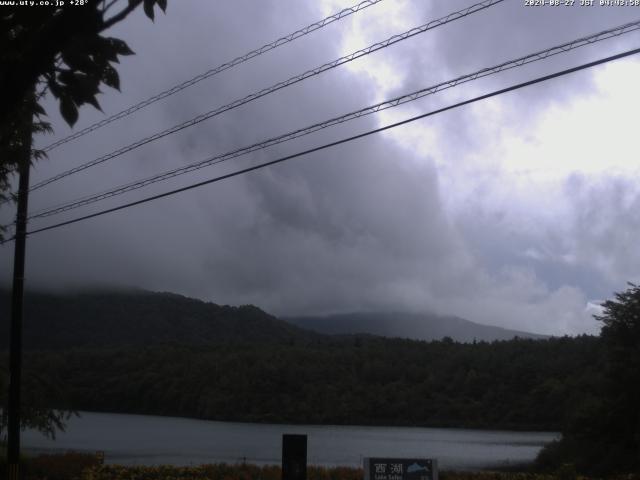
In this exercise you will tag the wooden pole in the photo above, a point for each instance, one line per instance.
(17, 294)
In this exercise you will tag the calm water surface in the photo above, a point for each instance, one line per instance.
(150, 440)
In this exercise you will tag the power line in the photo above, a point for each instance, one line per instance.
(214, 71)
(530, 58)
(278, 86)
(339, 142)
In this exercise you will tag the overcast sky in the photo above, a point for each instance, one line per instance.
(521, 211)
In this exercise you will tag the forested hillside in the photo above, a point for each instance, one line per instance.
(110, 318)
(518, 384)
(159, 353)
(113, 318)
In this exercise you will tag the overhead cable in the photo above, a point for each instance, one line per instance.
(278, 86)
(530, 58)
(214, 71)
(338, 142)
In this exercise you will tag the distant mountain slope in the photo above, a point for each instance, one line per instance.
(407, 325)
(137, 318)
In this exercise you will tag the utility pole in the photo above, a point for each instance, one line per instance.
(17, 294)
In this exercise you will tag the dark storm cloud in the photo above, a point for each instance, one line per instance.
(467, 46)
(359, 227)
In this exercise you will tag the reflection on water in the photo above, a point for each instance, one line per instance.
(149, 440)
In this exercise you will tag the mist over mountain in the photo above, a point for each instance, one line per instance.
(133, 317)
(426, 326)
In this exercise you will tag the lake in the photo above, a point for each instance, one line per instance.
(151, 440)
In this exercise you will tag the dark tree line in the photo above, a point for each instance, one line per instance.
(602, 435)
(519, 384)
(241, 364)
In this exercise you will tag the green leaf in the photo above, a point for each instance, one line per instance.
(104, 49)
(68, 110)
(148, 8)
(55, 87)
(82, 88)
(110, 77)
(93, 101)
(78, 60)
(67, 77)
(119, 46)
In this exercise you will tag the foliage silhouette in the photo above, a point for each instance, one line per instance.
(60, 49)
(57, 49)
(602, 435)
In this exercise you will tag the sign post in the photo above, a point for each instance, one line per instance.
(294, 457)
(400, 469)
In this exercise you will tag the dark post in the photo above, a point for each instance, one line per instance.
(15, 346)
(294, 457)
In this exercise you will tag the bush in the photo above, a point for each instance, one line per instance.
(213, 472)
(65, 466)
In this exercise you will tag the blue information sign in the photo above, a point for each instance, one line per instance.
(400, 469)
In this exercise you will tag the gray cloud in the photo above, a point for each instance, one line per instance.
(363, 226)
(606, 225)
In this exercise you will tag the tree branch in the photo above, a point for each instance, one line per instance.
(118, 17)
(109, 5)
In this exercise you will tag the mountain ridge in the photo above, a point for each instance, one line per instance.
(135, 317)
(415, 326)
